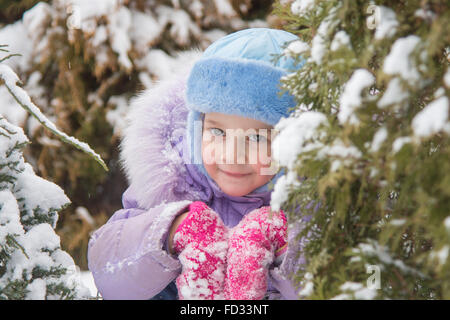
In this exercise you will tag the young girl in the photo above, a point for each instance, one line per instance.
(196, 222)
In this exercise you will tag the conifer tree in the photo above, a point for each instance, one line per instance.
(366, 150)
(32, 264)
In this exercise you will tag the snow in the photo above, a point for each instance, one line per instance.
(432, 119)
(358, 290)
(294, 135)
(8, 144)
(37, 242)
(302, 7)
(297, 135)
(341, 38)
(350, 99)
(225, 8)
(399, 143)
(343, 296)
(196, 7)
(447, 223)
(308, 286)
(145, 30)
(339, 149)
(439, 92)
(158, 61)
(319, 42)
(447, 78)
(295, 48)
(181, 25)
(38, 290)
(84, 214)
(425, 14)
(353, 286)
(441, 255)
(339, 153)
(214, 34)
(306, 290)
(16, 44)
(39, 192)
(100, 36)
(87, 9)
(378, 139)
(258, 23)
(394, 94)
(397, 222)
(8, 75)
(373, 249)
(282, 188)
(387, 23)
(40, 237)
(10, 109)
(87, 280)
(115, 116)
(35, 18)
(318, 47)
(399, 60)
(9, 215)
(119, 25)
(34, 89)
(164, 66)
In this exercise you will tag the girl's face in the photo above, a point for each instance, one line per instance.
(236, 152)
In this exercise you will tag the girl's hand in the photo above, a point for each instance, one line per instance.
(252, 247)
(201, 242)
(178, 220)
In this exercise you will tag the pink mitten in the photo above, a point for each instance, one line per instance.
(252, 247)
(202, 243)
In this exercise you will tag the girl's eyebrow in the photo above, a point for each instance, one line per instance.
(212, 122)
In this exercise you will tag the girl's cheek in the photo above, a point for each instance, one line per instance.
(211, 154)
(263, 155)
(262, 170)
(265, 167)
(207, 154)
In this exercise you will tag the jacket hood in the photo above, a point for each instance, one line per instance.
(150, 144)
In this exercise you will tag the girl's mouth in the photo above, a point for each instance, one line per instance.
(235, 175)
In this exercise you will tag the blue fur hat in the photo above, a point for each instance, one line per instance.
(239, 74)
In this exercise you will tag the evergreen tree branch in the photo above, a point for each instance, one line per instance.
(10, 79)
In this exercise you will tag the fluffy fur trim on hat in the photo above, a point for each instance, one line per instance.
(242, 87)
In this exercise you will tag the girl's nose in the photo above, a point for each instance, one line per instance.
(235, 150)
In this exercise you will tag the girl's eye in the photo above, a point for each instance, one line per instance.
(216, 132)
(256, 137)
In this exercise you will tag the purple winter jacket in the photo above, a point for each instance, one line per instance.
(127, 256)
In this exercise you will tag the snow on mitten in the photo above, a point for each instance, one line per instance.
(201, 240)
(252, 247)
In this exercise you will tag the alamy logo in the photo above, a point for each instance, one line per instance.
(374, 19)
(74, 16)
(236, 146)
(374, 281)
